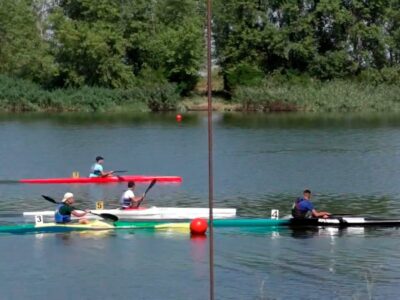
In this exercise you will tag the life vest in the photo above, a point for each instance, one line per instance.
(296, 210)
(126, 202)
(59, 218)
(96, 170)
(126, 199)
(96, 173)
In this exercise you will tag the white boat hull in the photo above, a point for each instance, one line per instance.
(153, 213)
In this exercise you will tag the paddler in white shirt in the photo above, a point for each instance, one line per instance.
(128, 199)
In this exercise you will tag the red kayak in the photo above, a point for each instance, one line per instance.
(111, 179)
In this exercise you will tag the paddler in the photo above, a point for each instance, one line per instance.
(65, 210)
(128, 199)
(303, 208)
(97, 169)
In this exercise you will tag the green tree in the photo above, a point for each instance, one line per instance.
(166, 37)
(24, 51)
(325, 39)
(88, 44)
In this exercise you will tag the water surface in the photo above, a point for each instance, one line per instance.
(351, 163)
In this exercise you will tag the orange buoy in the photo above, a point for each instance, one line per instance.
(178, 118)
(198, 226)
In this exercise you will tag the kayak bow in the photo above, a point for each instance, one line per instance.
(94, 225)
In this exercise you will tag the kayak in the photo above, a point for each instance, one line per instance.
(338, 222)
(92, 225)
(153, 212)
(111, 179)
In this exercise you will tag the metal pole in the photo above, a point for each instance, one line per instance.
(210, 150)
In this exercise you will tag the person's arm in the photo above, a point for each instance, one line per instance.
(105, 174)
(102, 172)
(78, 214)
(318, 214)
(137, 199)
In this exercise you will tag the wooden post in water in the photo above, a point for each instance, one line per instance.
(210, 151)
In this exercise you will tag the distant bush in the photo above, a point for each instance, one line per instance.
(19, 95)
(243, 74)
(316, 96)
(385, 75)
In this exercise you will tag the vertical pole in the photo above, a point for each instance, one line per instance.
(210, 150)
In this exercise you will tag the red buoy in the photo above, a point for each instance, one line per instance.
(178, 118)
(198, 226)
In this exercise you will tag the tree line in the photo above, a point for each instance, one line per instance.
(123, 44)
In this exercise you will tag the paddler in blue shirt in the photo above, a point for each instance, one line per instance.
(128, 199)
(97, 169)
(65, 210)
(303, 208)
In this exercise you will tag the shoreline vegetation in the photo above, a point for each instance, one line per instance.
(116, 56)
(17, 95)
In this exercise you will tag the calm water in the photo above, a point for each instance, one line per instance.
(351, 163)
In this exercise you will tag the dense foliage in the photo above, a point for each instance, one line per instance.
(325, 39)
(18, 95)
(156, 48)
(104, 43)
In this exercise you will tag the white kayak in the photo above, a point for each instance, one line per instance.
(153, 212)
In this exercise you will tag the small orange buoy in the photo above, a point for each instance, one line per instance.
(178, 118)
(198, 226)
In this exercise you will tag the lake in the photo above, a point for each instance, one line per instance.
(262, 162)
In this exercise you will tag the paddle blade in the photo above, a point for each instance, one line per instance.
(49, 199)
(111, 217)
(153, 182)
(119, 171)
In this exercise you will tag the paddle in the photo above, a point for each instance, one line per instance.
(114, 218)
(152, 183)
(114, 172)
(119, 171)
(338, 215)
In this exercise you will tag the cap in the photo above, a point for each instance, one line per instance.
(99, 158)
(67, 196)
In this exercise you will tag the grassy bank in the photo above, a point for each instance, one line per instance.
(330, 96)
(18, 95)
(272, 95)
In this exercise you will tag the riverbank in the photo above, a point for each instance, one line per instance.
(17, 95)
(271, 95)
(332, 96)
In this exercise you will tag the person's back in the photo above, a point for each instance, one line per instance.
(128, 196)
(303, 208)
(97, 169)
(128, 199)
(65, 209)
(63, 214)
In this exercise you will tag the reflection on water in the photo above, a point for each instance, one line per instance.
(312, 121)
(98, 119)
